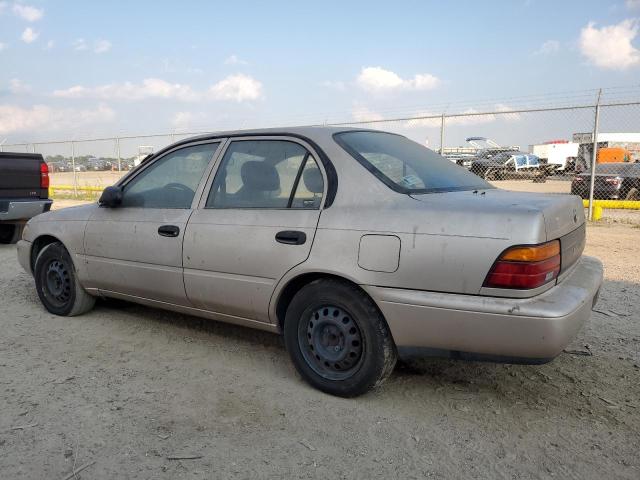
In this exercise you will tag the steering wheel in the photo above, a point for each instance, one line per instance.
(179, 186)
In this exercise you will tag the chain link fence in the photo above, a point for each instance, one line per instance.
(548, 149)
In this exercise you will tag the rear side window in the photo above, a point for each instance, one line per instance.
(266, 174)
(406, 166)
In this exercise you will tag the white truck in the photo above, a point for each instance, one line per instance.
(559, 153)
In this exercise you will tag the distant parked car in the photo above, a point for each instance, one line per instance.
(508, 165)
(613, 181)
(358, 245)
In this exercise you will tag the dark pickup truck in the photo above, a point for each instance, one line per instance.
(613, 181)
(24, 192)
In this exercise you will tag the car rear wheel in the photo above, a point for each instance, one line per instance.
(337, 339)
(57, 284)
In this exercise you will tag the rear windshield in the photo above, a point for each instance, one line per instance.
(406, 166)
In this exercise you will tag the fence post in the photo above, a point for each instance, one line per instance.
(73, 167)
(594, 156)
(442, 135)
(118, 153)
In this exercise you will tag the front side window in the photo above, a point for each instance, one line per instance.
(171, 181)
(266, 174)
(407, 166)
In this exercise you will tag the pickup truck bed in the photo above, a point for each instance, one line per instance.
(24, 192)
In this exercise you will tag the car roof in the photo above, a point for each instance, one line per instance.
(311, 132)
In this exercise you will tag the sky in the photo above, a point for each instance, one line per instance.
(76, 69)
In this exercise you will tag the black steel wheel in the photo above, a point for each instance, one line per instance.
(337, 338)
(331, 342)
(57, 284)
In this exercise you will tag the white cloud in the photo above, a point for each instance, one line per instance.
(50, 45)
(237, 88)
(149, 88)
(29, 35)
(102, 46)
(79, 44)
(27, 12)
(377, 79)
(183, 120)
(235, 60)
(632, 4)
(41, 117)
(470, 116)
(361, 113)
(548, 48)
(3, 46)
(610, 47)
(16, 86)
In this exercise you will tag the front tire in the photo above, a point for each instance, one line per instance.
(633, 194)
(57, 284)
(337, 338)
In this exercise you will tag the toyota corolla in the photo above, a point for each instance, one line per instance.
(358, 246)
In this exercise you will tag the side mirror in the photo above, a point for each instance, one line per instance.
(111, 197)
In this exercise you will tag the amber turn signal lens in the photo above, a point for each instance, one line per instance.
(534, 253)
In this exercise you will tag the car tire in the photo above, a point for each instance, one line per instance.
(337, 338)
(633, 194)
(57, 283)
(7, 233)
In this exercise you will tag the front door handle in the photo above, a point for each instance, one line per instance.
(291, 237)
(168, 231)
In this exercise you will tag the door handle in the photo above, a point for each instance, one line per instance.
(168, 231)
(291, 237)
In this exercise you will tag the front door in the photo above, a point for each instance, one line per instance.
(136, 248)
(256, 221)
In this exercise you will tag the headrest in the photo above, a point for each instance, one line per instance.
(260, 176)
(313, 180)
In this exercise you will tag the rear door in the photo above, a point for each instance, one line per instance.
(256, 221)
(136, 249)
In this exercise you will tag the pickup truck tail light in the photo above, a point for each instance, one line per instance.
(525, 267)
(44, 175)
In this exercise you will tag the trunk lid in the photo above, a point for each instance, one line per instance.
(20, 176)
(562, 213)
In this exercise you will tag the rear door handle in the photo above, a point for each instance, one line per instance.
(168, 231)
(291, 237)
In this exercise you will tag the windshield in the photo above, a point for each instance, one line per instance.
(406, 166)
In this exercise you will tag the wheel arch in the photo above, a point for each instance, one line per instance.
(293, 285)
(38, 244)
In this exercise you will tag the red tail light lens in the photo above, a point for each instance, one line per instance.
(44, 175)
(526, 267)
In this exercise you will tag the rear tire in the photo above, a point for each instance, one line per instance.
(57, 284)
(337, 338)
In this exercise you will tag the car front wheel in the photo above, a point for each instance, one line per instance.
(338, 340)
(57, 284)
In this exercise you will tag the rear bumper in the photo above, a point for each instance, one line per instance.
(24, 209)
(524, 330)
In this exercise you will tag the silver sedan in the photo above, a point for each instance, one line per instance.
(359, 246)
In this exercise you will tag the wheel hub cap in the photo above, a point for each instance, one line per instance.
(331, 342)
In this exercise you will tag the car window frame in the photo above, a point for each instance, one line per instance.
(205, 175)
(206, 190)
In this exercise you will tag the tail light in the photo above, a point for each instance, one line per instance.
(525, 267)
(615, 181)
(44, 175)
(578, 179)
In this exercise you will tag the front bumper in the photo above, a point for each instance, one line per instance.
(524, 330)
(24, 255)
(24, 209)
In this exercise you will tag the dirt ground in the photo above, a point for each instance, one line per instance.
(129, 387)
